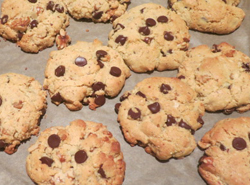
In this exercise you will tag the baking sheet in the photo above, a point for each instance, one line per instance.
(141, 168)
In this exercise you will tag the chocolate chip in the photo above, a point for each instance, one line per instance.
(119, 24)
(147, 40)
(229, 111)
(4, 19)
(100, 64)
(150, 22)
(222, 147)
(168, 36)
(54, 141)
(125, 96)
(32, 1)
(59, 8)
(98, 86)
(100, 100)
(181, 77)
(134, 113)
(170, 120)
(144, 30)
(216, 49)
(33, 24)
(239, 143)
(246, 67)
(81, 156)
(113, 18)
(249, 135)
(184, 125)
(2, 145)
(46, 160)
(60, 70)
(186, 39)
(154, 107)
(101, 172)
(57, 97)
(162, 19)
(121, 39)
(100, 54)
(81, 61)
(50, 6)
(163, 54)
(19, 35)
(200, 120)
(142, 10)
(139, 93)
(115, 71)
(97, 15)
(117, 106)
(165, 88)
(1, 101)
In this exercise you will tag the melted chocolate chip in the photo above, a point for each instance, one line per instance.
(222, 147)
(81, 156)
(147, 40)
(162, 19)
(100, 100)
(121, 39)
(60, 70)
(239, 143)
(150, 22)
(165, 88)
(100, 54)
(117, 106)
(54, 141)
(98, 86)
(2, 145)
(101, 172)
(125, 96)
(81, 61)
(134, 113)
(57, 98)
(170, 120)
(1, 101)
(168, 36)
(4, 19)
(115, 71)
(50, 6)
(144, 30)
(59, 8)
(184, 125)
(33, 24)
(181, 77)
(139, 93)
(101, 65)
(97, 15)
(154, 107)
(32, 1)
(47, 161)
(200, 120)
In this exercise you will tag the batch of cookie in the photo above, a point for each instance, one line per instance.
(161, 114)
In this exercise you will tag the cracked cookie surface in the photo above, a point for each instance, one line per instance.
(161, 115)
(219, 75)
(98, 10)
(78, 154)
(227, 147)
(150, 37)
(84, 73)
(22, 103)
(33, 24)
(214, 16)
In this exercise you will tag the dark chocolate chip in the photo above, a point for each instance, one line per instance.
(50, 6)
(150, 22)
(154, 107)
(170, 51)
(1, 101)
(2, 145)
(4, 19)
(165, 88)
(100, 64)
(60, 70)
(115, 71)
(184, 125)
(59, 8)
(57, 97)
(98, 86)
(142, 10)
(46, 160)
(113, 18)
(170, 120)
(81, 61)
(163, 54)
(54, 141)
(162, 19)
(32, 1)
(100, 54)
(229, 111)
(101, 172)
(222, 147)
(100, 100)
(19, 35)
(139, 93)
(181, 77)
(239, 143)
(216, 49)
(249, 135)
(119, 24)
(168, 36)
(144, 30)
(97, 15)
(246, 67)
(147, 40)
(134, 113)
(117, 106)
(121, 39)
(33, 24)
(81, 156)
(125, 96)
(200, 120)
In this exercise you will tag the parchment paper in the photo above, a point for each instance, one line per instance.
(141, 168)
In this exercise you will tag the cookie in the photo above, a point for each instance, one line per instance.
(22, 103)
(33, 24)
(150, 37)
(84, 73)
(80, 153)
(161, 115)
(221, 71)
(226, 158)
(98, 10)
(213, 16)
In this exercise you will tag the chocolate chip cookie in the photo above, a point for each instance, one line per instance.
(214, 16)
(22, 103)
(150, 37)
(85, 73)
(221, 71)
(33, 24)
(80, 153)
(226, 152)
(98, 10)
(161, 115)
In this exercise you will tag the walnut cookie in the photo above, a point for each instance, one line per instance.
(161, 115)
(20, 112)
(33, 24)
(81, 153)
